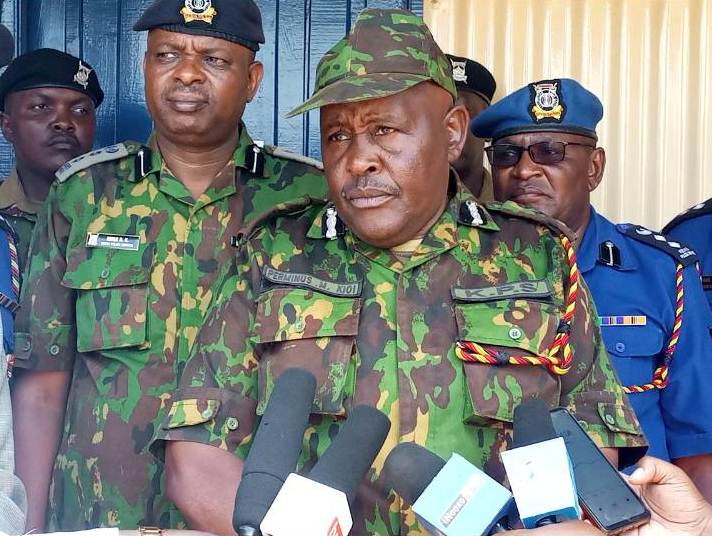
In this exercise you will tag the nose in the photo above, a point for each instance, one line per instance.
(363, 156)
(526, 168)
(63, 120)
(189, 71)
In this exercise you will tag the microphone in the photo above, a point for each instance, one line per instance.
(539, 469)
(319, 504)
(450, 499)
(7, 46)
(275, 449)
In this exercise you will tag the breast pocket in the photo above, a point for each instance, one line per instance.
(636, 351)
(111, 297)
(509, 327)
(301, 328)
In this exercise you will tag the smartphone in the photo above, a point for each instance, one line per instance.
(609, 502)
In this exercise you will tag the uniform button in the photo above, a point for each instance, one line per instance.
(515, 333)
(232, 424)
(207, 414)
(610, 420)
(299, 325)
(620, 347)
(104, 273)
(54, 349)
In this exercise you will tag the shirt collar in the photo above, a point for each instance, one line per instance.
(442, 236)
(601, 233)
(13, 195)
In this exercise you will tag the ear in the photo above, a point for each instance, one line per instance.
(6, 126)
(457, 122)
(596, 167)
(254, 79)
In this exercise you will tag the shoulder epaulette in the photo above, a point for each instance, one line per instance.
(289, 155)
(293, 207)
(514, 209)
(690, 213)
(680, 252)
(105, 154)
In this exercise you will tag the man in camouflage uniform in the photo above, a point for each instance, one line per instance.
(127, 258)
(405, 294)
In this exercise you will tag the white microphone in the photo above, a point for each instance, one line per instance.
(539, 470)
(450, 499)
(318, 505)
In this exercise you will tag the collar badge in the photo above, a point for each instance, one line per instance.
(200, 10)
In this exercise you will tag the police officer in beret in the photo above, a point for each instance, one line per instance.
(475, 89)
(652, 310)
(124, 265)
(48, 101)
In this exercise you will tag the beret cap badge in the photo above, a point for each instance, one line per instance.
(82, 76)
(198, 10)
(459, 73)
(547, 105)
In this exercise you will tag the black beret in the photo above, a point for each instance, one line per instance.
(7, 46)
(472, 76)
(47, 67)
(238, 21)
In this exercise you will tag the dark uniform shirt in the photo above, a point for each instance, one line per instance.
(694, 227)
(124, 266)
(379, 327)
(634, 286)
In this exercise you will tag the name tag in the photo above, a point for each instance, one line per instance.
(623, 320)
(346, 290)
(110, 241)
(520, 289)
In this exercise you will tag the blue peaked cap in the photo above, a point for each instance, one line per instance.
(559, 105)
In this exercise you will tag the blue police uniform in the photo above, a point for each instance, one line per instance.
(632, 274)
(633, 287)
(694, 227)
(8, 294)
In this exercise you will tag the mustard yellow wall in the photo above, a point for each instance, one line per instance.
(650, 62)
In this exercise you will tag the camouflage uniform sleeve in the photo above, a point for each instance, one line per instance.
(47, 307)
(597, 398)
(216, 399)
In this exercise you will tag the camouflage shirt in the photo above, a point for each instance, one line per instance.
(124, 265)
(379, 328)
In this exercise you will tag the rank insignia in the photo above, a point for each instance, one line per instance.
(201, 10)
(547, 103)
(10, 365)
(458, 71)
(82, 76)
(470, 214)
(332, 225)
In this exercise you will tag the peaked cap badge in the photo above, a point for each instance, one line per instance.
(198, 10)
(82, 76)
(458, 71)
(547, 103)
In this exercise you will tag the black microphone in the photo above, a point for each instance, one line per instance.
(450, 498)
(7, 46)
(275, 449)
(319, 503)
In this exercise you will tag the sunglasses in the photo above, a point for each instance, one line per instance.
(544, 152)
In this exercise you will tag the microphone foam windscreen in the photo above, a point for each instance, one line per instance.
(276, 446)
(7, 46)
(409, 469)
(350, 455)
(532, 423)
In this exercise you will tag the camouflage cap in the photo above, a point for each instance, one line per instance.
(387, 51)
